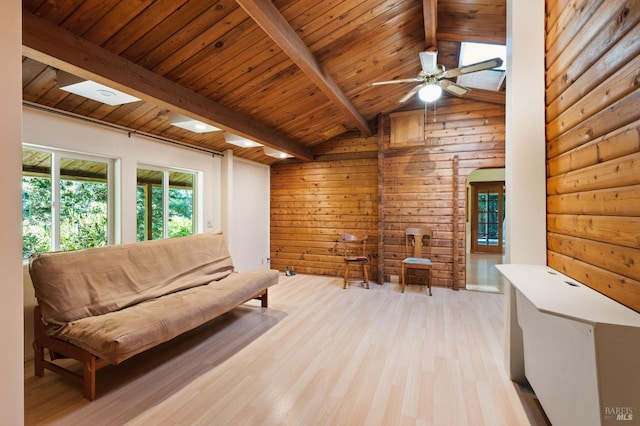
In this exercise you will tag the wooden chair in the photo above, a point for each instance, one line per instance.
(355, 253)
(420, 252)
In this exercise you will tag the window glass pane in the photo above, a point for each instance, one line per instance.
(157, 215)
(493, 219)
(36, 202)
(83, 204)
(151, 195)
(180, 204)
(149, 204)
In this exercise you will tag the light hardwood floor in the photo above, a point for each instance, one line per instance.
(482, 274)
(318, 355)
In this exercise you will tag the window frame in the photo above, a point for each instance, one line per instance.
(166, 171)
(56, 156)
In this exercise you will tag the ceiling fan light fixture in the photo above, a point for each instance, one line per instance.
(430, 93)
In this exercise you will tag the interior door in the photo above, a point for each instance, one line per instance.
(487, 217)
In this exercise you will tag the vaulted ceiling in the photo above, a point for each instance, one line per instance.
(289, 74)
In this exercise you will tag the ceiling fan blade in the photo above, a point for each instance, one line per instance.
(403, 80)
(429, 61)
(478, 66)
(410, 93)
(453, 88)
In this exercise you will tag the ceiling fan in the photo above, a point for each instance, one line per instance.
(433, 77)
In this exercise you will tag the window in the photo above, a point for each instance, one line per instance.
(492, 79)
(488, 215)
(165, 203)
(66, 201)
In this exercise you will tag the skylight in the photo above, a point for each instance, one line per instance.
(492, 79)
(471, 53)
(92, 90)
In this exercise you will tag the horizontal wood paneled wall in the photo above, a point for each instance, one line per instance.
(313, 203)
(420, 182)
(593, 144)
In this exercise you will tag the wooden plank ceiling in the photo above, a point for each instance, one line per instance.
(289, 74)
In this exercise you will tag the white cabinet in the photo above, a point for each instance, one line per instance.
(580, 350)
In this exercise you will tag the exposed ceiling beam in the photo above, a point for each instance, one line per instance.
(430, 12)
(267, 16)
(483, 95)
(59, 48)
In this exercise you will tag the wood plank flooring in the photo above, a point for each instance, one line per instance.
(319, 355)
(482, 274)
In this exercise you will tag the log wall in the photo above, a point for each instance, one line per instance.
(425, 185)
(362, 184)
(593, 144)
(313, 203)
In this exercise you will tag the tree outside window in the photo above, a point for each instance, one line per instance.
(80, 217)
(157, 218)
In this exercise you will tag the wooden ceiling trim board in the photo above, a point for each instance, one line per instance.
(495, 37)
(47, 43)
(430, 12)
(272, 22)
(490, 96)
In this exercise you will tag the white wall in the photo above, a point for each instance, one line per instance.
(249, 225)
(56, 131)
(525, 157)
(11, 332)
(525, 134)
(246, 210)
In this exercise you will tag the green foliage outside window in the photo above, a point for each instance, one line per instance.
(180, 215)
(180, 212)
(83, 215)
(36, 215)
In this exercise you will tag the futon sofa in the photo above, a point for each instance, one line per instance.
(104, 305)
